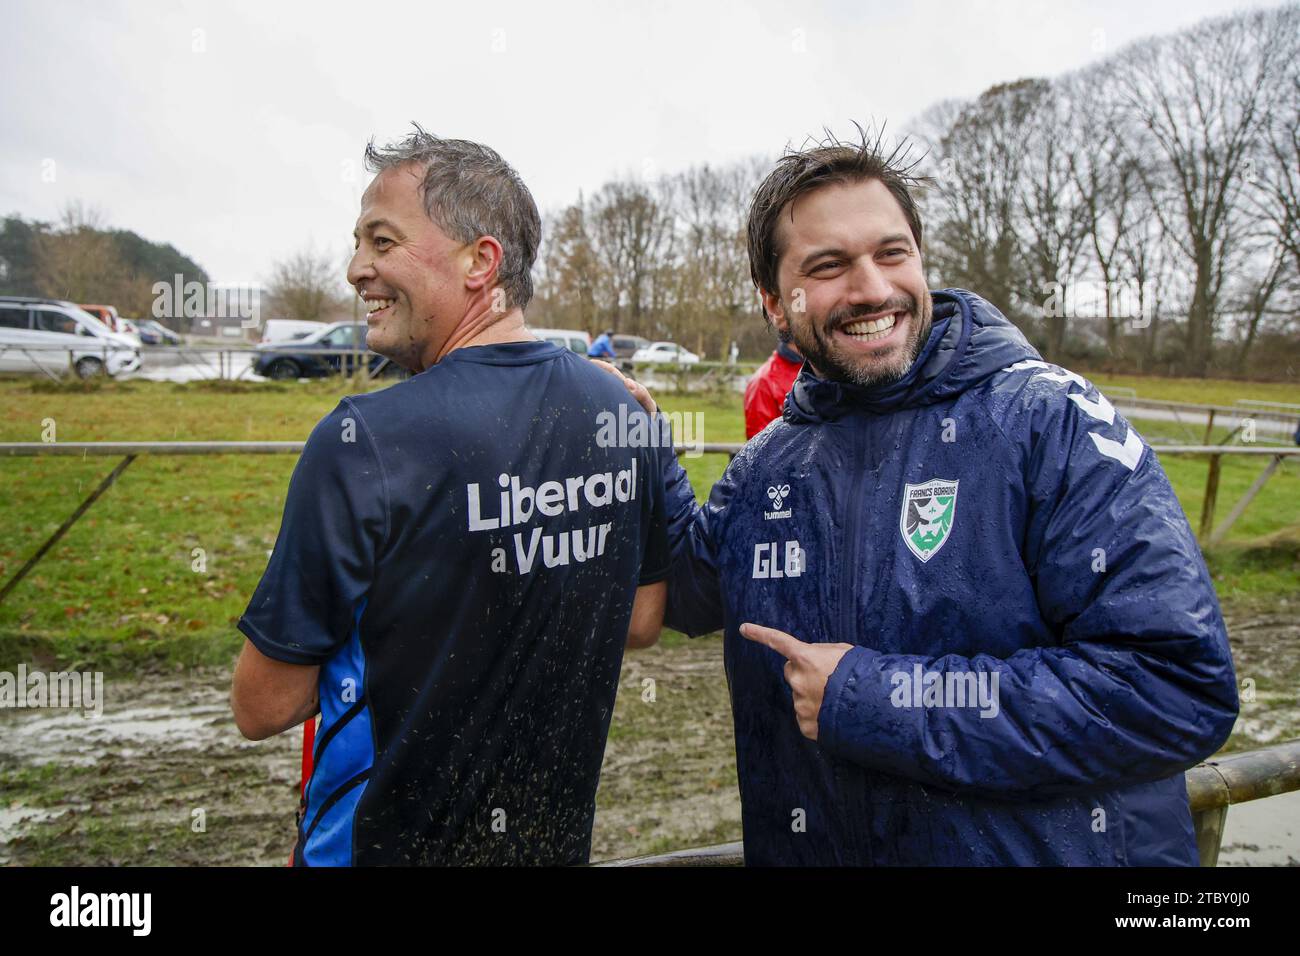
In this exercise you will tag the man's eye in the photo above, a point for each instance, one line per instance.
(823, 266)
(896, 252)
(382, 242)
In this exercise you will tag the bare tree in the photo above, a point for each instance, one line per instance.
(570, 273)
(710, 205)
(79, 260)
(1107, 183)
(1147, 257)
(1200, 98)
(1258, 297)
(305, 286)
(977, 157)
(632, 231)
(1051, 210)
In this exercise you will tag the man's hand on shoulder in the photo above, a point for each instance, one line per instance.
(638, 391)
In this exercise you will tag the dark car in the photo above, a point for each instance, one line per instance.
(155, 333)
(304, 359)
(625, 346)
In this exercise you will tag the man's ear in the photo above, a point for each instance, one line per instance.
(775, 310)
(484, 255)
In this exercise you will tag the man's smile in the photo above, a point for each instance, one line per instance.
(873, 335)
(377, 306)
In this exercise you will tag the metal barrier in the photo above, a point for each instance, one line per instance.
(1287, 408)
(1212, 787)
(131, 450)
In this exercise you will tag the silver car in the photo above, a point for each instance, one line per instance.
(54, 337)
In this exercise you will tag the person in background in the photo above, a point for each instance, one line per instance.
(602, 347)
(765, 394)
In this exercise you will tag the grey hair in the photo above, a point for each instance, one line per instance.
(470, 191)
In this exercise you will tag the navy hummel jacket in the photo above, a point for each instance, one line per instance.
(1039, 653)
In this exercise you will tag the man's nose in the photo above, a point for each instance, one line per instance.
(868, 284)
(359, 267)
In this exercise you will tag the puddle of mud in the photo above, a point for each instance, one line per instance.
(1266, 655)
(122, 789)
(14, 820)
(83, 741)
(1263, 833)
(162, 776)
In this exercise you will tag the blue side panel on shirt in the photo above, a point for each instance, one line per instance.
(345, 749)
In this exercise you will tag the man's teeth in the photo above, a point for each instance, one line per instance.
(374, 305)
(872, 328)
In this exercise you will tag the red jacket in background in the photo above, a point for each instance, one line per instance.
(766, 391)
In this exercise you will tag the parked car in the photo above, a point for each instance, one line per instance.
(625, 346)
(302, 358)
(105, 313)
(665, 352)
(289, 330)
(30, 328)
(132, 331)
(570, 339)
(155, 333)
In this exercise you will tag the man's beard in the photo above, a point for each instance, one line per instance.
(813, 340)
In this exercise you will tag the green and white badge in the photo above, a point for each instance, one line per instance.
(927, 515)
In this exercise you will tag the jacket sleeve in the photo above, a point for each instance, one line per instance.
(1140, 685)
(694, 592)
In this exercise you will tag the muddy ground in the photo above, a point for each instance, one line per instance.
(163, 777)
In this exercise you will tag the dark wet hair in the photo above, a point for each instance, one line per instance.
(828, 162)
(470, 191)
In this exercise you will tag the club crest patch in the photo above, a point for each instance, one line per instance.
(927, 516)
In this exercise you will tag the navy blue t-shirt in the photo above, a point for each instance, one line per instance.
(459, 553)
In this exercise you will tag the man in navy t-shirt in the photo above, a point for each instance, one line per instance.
(463, 556)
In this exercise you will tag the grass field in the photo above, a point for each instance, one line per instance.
(149, 584)
(1202, 391)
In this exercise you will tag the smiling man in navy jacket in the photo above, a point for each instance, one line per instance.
(966, 621)
(462, 557)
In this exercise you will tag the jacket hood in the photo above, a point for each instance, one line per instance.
(969, 341)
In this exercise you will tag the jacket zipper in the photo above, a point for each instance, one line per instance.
(848, 612)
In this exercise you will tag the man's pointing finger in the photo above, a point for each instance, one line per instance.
(784, 644)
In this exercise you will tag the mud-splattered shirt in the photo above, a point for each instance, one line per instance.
(459, 553)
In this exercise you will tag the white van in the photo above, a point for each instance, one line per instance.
(570, 339)
(53, 336)
(289, 330)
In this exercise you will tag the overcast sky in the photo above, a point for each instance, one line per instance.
(234, 130)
